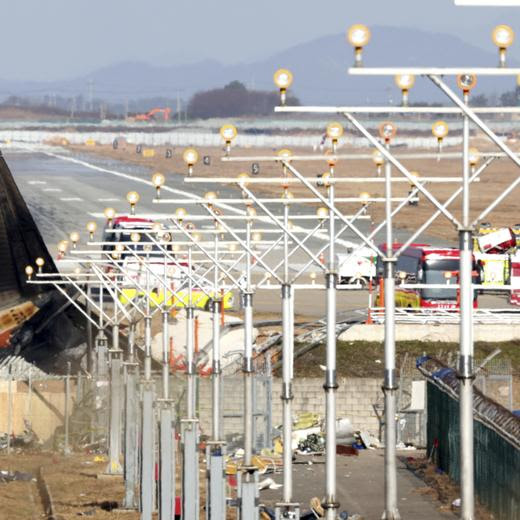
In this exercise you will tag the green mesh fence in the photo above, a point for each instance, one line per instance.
(497, 462)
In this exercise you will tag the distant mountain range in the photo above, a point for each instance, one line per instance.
(319, 68)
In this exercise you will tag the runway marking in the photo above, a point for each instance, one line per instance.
(321, 236)
(109, 199)
(34, 183)
(52, 189)
(71, 199)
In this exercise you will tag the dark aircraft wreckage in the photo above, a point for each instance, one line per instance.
(36, 321)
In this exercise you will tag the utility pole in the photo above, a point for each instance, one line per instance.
(91, 95)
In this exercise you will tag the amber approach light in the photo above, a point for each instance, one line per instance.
(190, 156)
(283, 79)
(29, 271)
(405, 82)
(358, 36)
(503, 37)
(133, 198)
(180, 214)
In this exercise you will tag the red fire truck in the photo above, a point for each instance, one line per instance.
(425, 264)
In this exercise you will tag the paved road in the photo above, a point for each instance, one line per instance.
(360, 488)
(64, 195)
(65, 191)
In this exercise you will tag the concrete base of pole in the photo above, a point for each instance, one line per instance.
(101, 390)
(131, 437)
(248, 494)
(190, 469)
(285, 511)
(391, 512)
(215, 481)
(147, 452)
(166, 459)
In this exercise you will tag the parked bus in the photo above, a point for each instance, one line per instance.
(425, 264)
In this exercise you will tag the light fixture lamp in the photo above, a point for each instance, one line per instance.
(503, 37)
(405, 82)
(283, 79)
(228, 134)
(358, 36)
(190, 156)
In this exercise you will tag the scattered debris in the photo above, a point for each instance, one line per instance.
(342, 449)
(313, 443)
(26, 440)
(268, 483)
(9, 476)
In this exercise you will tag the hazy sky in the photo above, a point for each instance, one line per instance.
(58, 39)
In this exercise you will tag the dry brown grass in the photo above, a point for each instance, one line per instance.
(496, 178)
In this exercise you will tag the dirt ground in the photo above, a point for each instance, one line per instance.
(77, 491)
(493, 181)
(73, 484)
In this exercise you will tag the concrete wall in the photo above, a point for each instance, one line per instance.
(38, 410)
(446, 333)
(356, 398)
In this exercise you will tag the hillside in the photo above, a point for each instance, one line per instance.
(319, 66)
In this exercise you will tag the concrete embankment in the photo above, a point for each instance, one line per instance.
(447, 333)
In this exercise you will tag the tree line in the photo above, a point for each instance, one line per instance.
(234, 100)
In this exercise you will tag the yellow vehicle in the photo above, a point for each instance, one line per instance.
(200, 299)
(492, 249)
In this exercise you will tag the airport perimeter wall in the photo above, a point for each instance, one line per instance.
(357, 399)
(43, 406)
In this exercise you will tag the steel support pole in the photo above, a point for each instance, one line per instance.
(216, 479)
(390, 386)
(131, 433)
(330, 387)
(190, 433)
(101, 383)
(166, 423)
(287, 509)
(287, 395)
(147, 418)
(248, 378)
(166, 460)
(249, 493)
(147, 450)
(190, 470)
(116, 389)
(465, 369)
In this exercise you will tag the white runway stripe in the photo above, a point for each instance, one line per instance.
(321, 236)
(71, 199)
(52, 189)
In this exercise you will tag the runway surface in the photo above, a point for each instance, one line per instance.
(64, 191)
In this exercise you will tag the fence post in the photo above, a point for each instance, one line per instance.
(66, 447)
(9, 410)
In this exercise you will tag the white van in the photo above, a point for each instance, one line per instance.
(356, 266)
